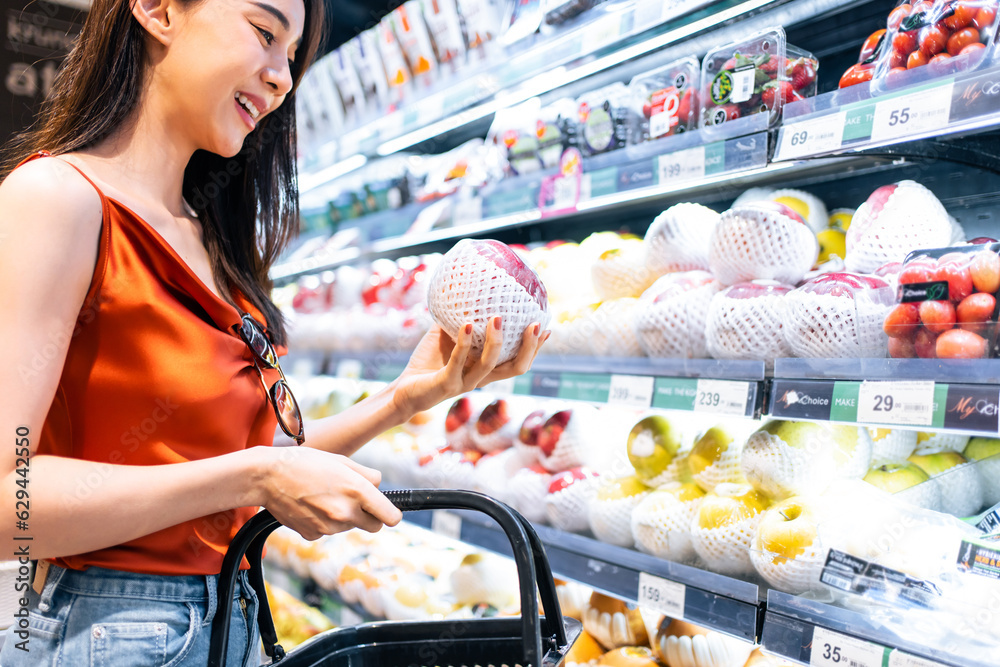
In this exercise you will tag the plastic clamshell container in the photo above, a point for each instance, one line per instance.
(947, 304)
(607, 119)
(927, 40)
(737, 78)
(668, 97)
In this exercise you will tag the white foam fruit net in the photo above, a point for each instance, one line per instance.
(678, 469)
(727, 469)
(753, 243)
(912, 217)
(828, 326)
(961, 490)
(989, 475)
(797, 575)
(811, 207)
(622, 272)
(611, 519)
(679, 239)
(670, 320)
(891, 445)
(661, 526)
(709, 650)
(469, 286)
(934, 442)
(613, 335)
(611, 629)
(747, 328)
(567, 508)
(526, 491)
(725, 549)
(578, 442)
(926, 495)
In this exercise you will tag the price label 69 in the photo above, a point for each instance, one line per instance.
(811, 137)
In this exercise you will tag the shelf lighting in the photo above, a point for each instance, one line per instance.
(353, 163)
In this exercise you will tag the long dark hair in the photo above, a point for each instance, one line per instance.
(248, 204)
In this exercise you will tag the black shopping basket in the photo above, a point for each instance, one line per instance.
(531, 639)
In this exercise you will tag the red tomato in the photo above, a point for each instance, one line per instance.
(984, 17)
(964, 13)
(916, 59)
(902, 321)
(940, 58)
(905, 42)
(975, 313)
(933, 40)
(960, 344)
(871, 45)
(961, 39)
(902, 348)
(897, 15)
(918, 271)
(925, 343)
(937, 316)
(956, 269)
(985, 270)
(975, 47)
(856, 74)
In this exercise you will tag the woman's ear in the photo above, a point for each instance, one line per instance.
(156, 17)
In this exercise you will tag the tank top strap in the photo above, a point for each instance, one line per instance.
(33, 156)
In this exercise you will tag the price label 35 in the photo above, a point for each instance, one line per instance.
(832, 649)
(905, 403)
(662, 595)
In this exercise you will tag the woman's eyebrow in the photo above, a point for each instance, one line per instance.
(278, 14)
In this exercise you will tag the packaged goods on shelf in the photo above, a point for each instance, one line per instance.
(747, 321)
(668, 97)
(948, 305)
(532, 137)
(396, 70)
(446, 30)
(864, 69)
(670, 321)
(407, 21)
(608, 119)
(363, 52)
(521, 20)
(927, 40)
(756, 75)
(482, 22)
(340, 68)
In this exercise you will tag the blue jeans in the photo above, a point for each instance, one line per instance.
(108, 618)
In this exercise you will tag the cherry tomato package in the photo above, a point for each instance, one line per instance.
(928, 38)
(946, 304)
(668, 97)
(757, 75)
(864, 69)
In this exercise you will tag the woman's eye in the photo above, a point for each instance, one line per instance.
(268, 37)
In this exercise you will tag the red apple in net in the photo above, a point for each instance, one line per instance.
(570, 438)
(745, 321)
(570, 493)
(477, 280)
(499, 424)
(670, 318)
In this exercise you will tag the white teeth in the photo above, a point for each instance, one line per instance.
(251, 109)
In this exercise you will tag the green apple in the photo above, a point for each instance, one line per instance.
(721, 531)
(960, 484)
(715, 459)
(939, 462)
(621, 487)
(982, 448)
(986, 451)
(729, 504)
(895, 477)
(787, 529)
(652, 445)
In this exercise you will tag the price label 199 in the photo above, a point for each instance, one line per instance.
(726, 397)
(912, 114)
(631, 390)
(832, 649)
(685, 165)
(811, 137)
(661, 595)
(905, 403)
(447, 524)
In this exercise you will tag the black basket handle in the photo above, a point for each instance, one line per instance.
(250, 539)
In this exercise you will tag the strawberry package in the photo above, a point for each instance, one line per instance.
(935, 38)
(668, 97)
(757, 75)
(947, 304)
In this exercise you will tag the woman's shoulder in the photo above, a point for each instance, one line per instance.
(54, 192)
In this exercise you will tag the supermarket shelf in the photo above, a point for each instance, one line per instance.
(853, 120)
(708, 599)
(803, 630)
(333, 606)
(958, 395)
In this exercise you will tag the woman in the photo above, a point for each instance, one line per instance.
(139, 224)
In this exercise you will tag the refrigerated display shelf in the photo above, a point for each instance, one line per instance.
(305, 589)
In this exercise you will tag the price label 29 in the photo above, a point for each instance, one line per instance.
(662, 595)
(912, 114)
(725, 397)
(811, 137)
(905, 403)
(832, 649)
(634, 391)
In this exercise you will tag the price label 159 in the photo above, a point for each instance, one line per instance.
(905, 403)
(811, 137)
(634, 391)
(912, 114)
(685, 165)
(662, 595)
(726, 397)
(832, 649)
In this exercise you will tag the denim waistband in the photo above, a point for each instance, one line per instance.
(117, 583)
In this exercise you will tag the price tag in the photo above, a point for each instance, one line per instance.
(349, 368)
(900, 659)
(659, 124)
(743, 84)
(647, 13)
(912, 114)
(662, 595)
(602, 31)
(447, 524)
(907, 403)
(722, 397)
(832, 649)
(566, 193)
(685, 165)
(350, 617)
(634, 391)
(811, 137)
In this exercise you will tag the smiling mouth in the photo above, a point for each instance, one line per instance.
(247, 105)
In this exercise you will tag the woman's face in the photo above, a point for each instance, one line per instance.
(227, 67)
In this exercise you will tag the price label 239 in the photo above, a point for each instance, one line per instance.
(721, 397)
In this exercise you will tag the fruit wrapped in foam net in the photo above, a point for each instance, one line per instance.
(670, 321)
(570, 437)
(477, 280)
(958, 480)
(932, 442)
(891, 445)
(838, 315)
(613, 335)
(723, 527)
(570, 493)
(986, 453)
(621, 272)
(499, 423)
(679, 239)
(661, 522)
(682, 644)
(809, 206)
(745, 321)
(716, 457)
(572, 331)
(762, 240)
(611, 509)
(613, 622)
(895, 220)
(527, 490)
(788, 548)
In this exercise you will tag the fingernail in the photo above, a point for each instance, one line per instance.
(468, 329)
(496, 323)
(538, 327)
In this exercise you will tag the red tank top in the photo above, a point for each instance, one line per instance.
(155, 374)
